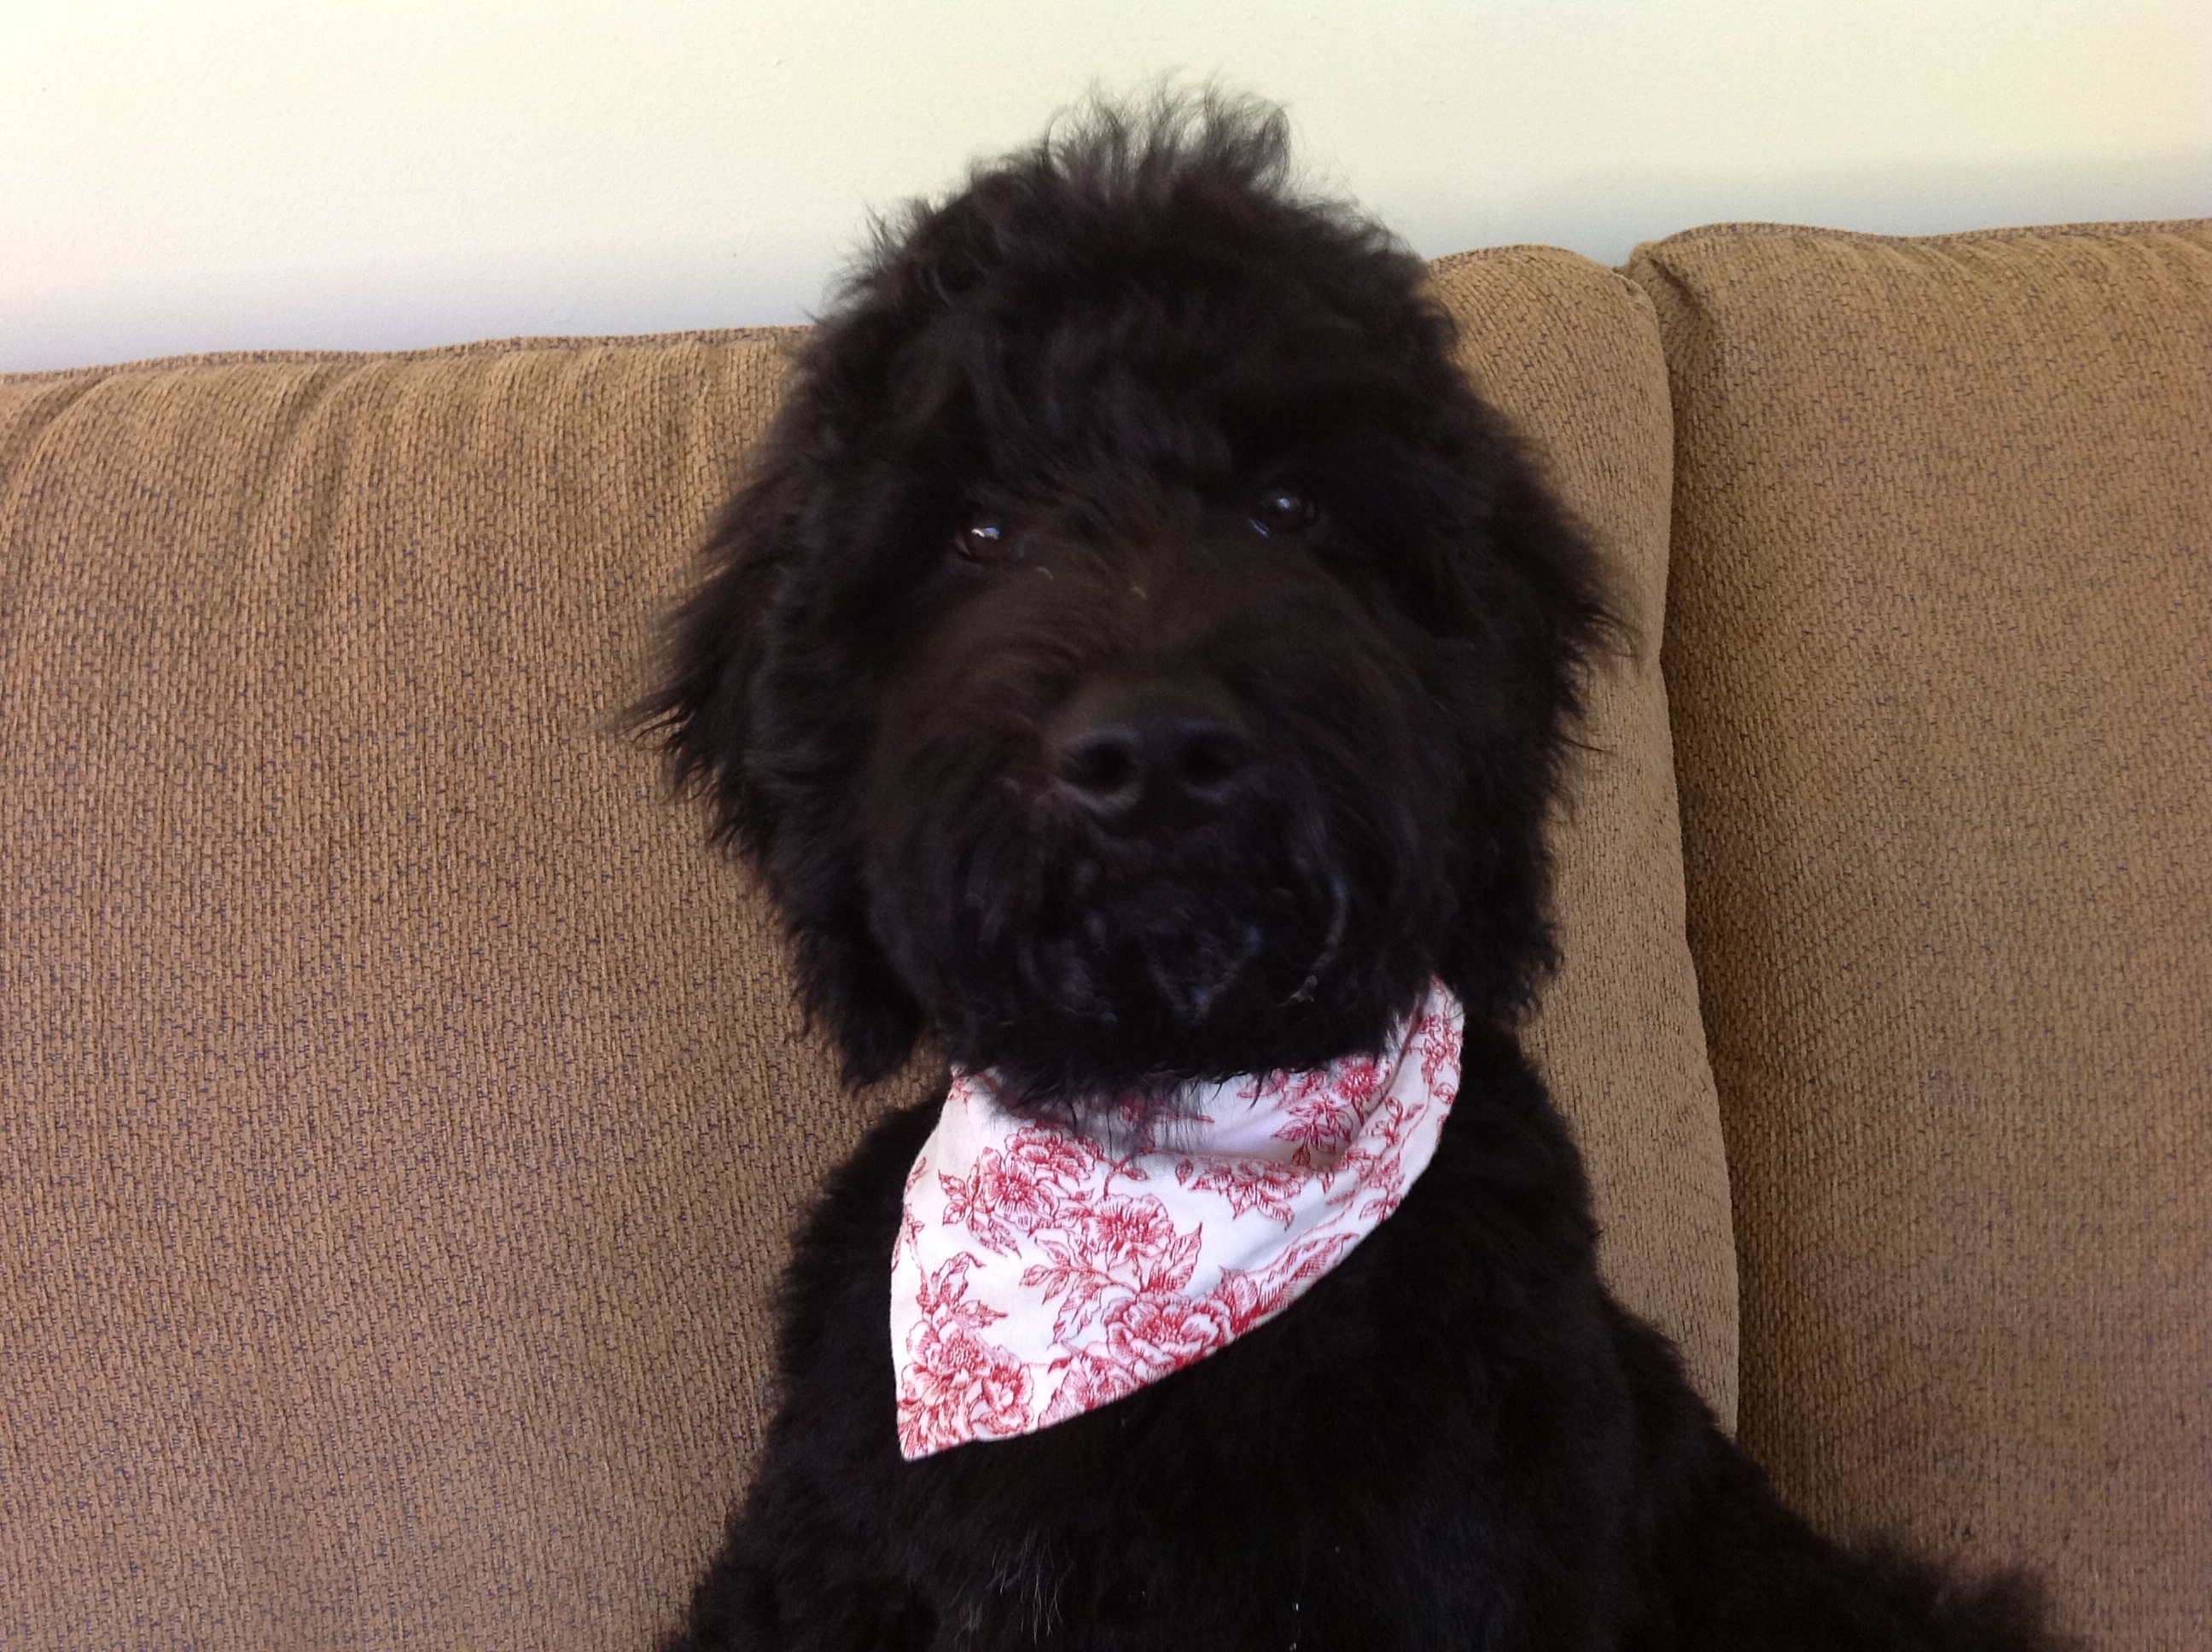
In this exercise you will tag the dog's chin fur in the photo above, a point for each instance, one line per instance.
(1137, 654)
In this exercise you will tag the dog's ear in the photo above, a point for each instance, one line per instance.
(711, 652)
(766, 728)
(1544, 618)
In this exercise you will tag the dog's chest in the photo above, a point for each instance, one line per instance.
(1318, 1486)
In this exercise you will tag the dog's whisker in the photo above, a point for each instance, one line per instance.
(1339, 910)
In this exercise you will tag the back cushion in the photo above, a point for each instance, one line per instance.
(1937, 655)
(1571, 351)
(401, 1111)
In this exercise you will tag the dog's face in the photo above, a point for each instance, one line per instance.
(1137, 651)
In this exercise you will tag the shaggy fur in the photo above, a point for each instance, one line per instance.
(1139, 656)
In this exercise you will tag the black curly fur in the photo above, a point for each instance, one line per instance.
(1215, 451)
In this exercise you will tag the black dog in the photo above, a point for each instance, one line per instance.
(1137, 655)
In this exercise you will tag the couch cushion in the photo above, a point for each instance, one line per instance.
(1571, 351)
(1936, 651)
(403, 1111)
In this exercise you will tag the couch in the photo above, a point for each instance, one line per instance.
(402, 1109)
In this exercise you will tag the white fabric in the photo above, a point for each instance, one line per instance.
(1037, 1275)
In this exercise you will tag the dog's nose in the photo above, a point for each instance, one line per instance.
(1151, 753)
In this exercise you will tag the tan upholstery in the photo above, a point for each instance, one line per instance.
(400, 1111)
(403, 1111)
(1937, 652)
(1572, 353)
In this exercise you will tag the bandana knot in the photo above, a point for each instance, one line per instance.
(1038, 1275)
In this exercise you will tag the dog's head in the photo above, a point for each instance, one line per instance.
(1136, 650)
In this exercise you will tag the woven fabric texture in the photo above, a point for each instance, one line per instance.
(401, 1110)
(1573, 354)
(1936, 653)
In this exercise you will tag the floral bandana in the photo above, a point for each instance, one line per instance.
(1038, 1275)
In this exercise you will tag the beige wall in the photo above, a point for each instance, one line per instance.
(219, 174)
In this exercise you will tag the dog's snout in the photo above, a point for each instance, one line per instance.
(1139, 754)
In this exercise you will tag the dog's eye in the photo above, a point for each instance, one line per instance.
(983, 539)
(1283, 507)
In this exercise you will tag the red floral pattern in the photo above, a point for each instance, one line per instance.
(1037, 1276)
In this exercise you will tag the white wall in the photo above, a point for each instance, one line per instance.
(207, 174)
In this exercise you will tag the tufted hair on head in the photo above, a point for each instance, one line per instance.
(1129, 430)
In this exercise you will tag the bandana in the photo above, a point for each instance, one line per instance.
(1038, 1275)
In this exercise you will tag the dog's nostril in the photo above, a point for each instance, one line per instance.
(1125, 753)
(1212, 759)
(1102, 768)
